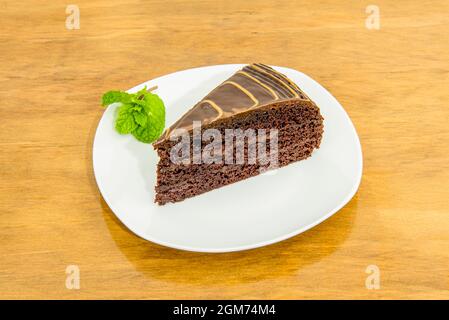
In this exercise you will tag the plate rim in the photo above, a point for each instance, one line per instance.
(264, 243)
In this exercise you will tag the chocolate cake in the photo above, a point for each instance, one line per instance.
(257, 100)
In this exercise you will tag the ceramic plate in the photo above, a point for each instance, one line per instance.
(248, 214)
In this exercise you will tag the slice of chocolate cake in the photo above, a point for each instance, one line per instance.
(256, 120)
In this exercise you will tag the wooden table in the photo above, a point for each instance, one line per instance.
(392, 81)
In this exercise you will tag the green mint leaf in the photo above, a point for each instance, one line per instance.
(139, 102)
(115, 96)
(125, 122)
(155, 111)
(140, 118)
(136, 108)
(147, 134)
(142, 114)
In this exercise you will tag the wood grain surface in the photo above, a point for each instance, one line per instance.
(393, 82)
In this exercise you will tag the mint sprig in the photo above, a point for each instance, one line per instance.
(141, 114)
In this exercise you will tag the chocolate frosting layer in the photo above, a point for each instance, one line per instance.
(252, 87)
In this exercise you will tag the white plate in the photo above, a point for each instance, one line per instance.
(248, 214)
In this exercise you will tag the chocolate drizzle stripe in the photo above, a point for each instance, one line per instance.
(215, 106)
(249, 94)
(269, 81)
(283, 76)
(279, 80)
(210, 102)
(278, 75)
(275, 96)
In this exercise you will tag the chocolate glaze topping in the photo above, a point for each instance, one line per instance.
(254, 86)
